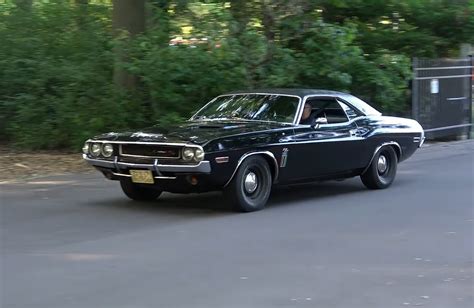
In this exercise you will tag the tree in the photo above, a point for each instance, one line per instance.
(128, 20)
(82, 12)
(24, 5)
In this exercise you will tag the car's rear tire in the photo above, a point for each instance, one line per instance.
(250, 188)
(382, 169)
(139, 193)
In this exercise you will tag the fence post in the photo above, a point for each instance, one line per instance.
(470, 135)
(414, 91)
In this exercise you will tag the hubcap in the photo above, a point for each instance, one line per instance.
(382, 164)
(250, 183)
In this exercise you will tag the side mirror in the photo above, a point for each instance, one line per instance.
(319, 121)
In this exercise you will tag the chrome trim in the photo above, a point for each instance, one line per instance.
(378, 149)
(117, 168)
(201, 167)
(268, 153)
(422, 137)
(145, 142)
(338, 98)
(422, 141)
(222, 159)
(155, 177)
(250, 182)
(145, 156)
(250, 93)
(341, 123)
(155, 167)
(382, 164)
(352, 138)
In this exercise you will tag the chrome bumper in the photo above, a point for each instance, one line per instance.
(201, 167)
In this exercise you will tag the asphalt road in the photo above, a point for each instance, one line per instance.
(75, 241)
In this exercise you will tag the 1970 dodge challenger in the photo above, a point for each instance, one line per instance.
(245, 142)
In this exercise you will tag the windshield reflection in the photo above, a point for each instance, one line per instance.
(256, 107)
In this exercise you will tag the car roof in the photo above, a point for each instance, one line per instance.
(363, 106)
(287, 91)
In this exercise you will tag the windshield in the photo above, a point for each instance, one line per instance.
(261, 107)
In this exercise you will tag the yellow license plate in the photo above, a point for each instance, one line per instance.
(142, 176)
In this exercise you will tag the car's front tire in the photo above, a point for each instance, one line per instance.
(250, 188)
(382, 169)
(139, 193)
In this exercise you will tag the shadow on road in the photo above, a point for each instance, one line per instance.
(284, 195)
(214, 202)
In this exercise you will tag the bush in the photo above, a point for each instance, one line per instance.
(56, 71)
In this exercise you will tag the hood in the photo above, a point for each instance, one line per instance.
(197, 132)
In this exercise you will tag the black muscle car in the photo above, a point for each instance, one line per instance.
(245, 142)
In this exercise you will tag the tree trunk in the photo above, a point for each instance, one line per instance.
(128, 17)
(24, 5)
(269, 24)
(240, 17)
(82, 12)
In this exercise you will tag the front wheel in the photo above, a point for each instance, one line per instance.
(250, 188)
(382, 169)
(139, 193)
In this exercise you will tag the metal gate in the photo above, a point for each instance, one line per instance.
(442, 96)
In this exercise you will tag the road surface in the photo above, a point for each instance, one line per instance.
(75, 241)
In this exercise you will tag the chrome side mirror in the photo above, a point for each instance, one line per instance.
(319, 121)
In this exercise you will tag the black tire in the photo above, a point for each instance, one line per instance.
(139, 193)
(378, 177)
(254, 195)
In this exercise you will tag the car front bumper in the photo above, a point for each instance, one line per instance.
(117, 167)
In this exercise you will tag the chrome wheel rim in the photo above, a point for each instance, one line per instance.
(250, 182)
(382, 164)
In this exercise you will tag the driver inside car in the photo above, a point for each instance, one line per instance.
(307, 118)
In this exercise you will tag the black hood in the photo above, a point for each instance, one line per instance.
(198, 132)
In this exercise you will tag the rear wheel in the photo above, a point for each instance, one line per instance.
(382, 169)
(250, 188)
(139, 193)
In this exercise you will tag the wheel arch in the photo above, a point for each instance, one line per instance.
(393, 144)
(267, 155)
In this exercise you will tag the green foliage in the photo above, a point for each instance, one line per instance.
(55, 76)
(57, 59)
(417, 28)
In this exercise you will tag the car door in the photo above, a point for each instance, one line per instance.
(326, 149)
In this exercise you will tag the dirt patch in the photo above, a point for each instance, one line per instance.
(19, 165)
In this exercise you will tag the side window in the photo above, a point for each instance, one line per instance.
(328, 108)
(350, 112)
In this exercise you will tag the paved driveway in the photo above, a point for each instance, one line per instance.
(75, 241)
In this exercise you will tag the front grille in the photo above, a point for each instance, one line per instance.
(151, 161)
(150, 151)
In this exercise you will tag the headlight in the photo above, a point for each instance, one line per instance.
(95, 149)
(107, 150)
(85, 148)
(198, 154)
(188, 153)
